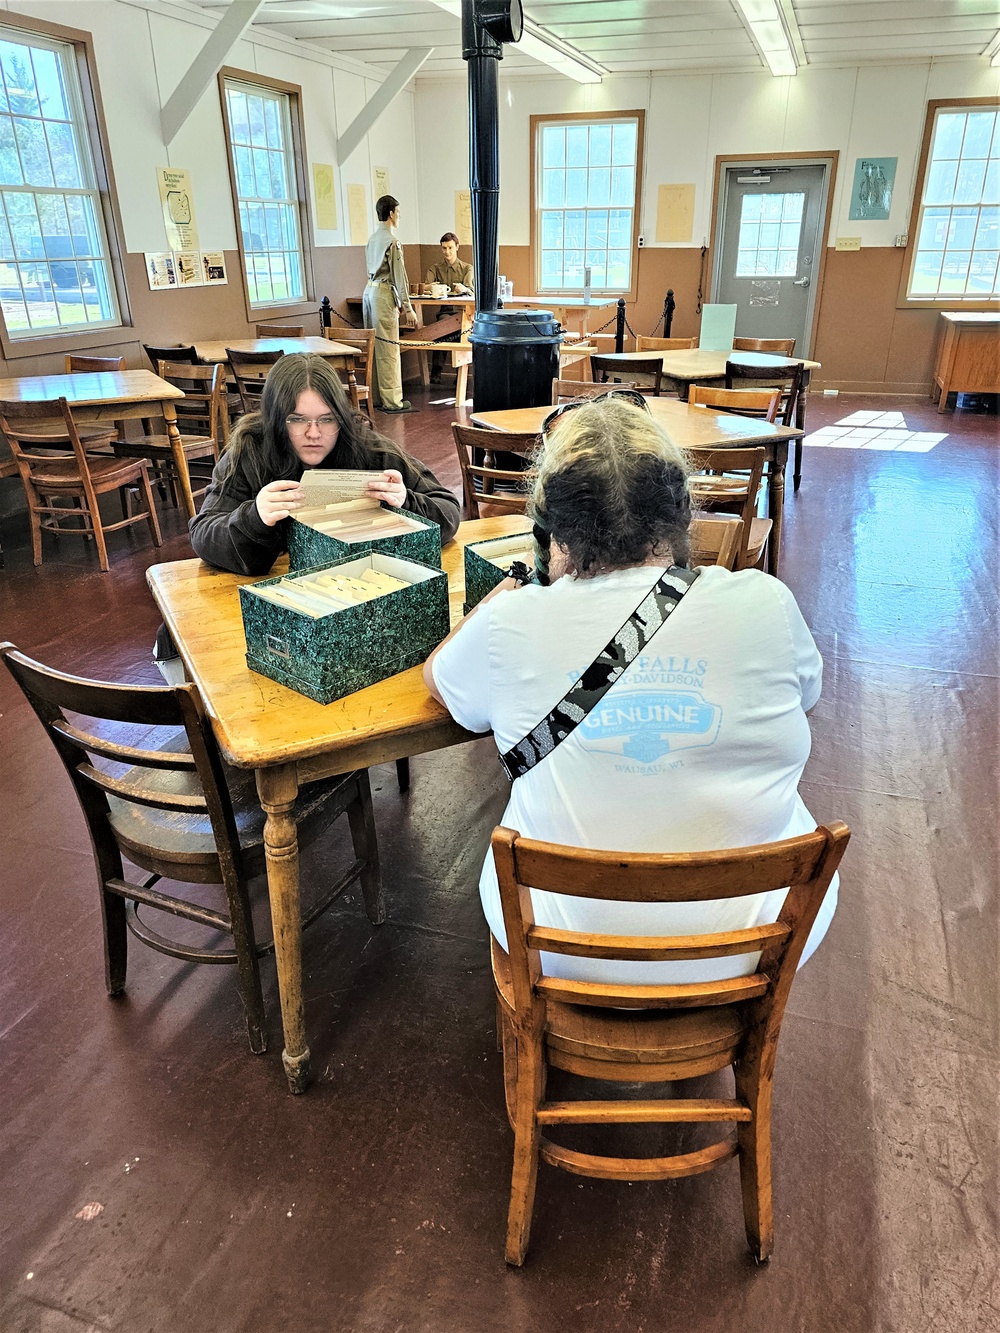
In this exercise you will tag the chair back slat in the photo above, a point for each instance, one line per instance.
(650, 877)
(788, 381)
(202, 385)
(567, 390)
(779, 346)
(689, 995)
(122, 754)
(96, 364)
(762, 403)
(658, 949)
(644, 344)
(280, 330)
(715, 540)
(127, 791)
(743, 469)
(645, 375)
(185, 352)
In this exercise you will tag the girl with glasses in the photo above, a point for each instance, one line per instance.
(305, 421)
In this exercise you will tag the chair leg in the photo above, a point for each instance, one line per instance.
(98, 526)
(403, 774)
(527, 1136)
(151, 519)
(797, 467)
(36, 532)
(247, 963)
(361, 818)
(115, 942)
(754, 1139)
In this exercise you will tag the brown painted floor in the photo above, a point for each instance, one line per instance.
(376, 1203)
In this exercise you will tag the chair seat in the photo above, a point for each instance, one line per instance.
(158, 446)
(106, 472)
(173, 835)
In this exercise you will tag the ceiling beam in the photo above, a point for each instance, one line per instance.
(206, 65)
(380, 101)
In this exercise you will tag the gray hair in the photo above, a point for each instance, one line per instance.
(611, 488)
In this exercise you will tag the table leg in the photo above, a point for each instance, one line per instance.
(775, 509)
(800, 422)
(180, 461)
(277, 788)
(461, 384)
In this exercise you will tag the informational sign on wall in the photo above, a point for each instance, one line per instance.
(357, 211)
(871, 195)
(463, 216)
(171, 270)
(380, 181)
(674, 213)
(177, 201)
(324, 196)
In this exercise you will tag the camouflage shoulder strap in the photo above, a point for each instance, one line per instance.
(613, 659)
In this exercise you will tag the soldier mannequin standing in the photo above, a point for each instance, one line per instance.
(387, 293)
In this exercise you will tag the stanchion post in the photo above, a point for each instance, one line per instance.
(669, 305)
(620, 326)
(325, 314)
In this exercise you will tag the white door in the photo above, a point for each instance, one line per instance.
(767, 246)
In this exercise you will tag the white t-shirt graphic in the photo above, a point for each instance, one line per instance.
(700, 745)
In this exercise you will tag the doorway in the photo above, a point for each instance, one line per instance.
(768, 244)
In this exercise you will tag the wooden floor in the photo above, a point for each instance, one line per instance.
(376, 1203)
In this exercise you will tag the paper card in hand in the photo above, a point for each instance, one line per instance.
(323, 486)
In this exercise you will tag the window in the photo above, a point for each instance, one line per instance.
(55, 269)
(586, 176)
(956, 225)
(770, 227)
(259, 124)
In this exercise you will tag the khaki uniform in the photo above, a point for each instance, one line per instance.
(459, 273)
(387, 292)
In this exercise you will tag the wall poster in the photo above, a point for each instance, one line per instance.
(160, 271)
(674, 213)
(177, 201)
(380, 180)
(871, 195)
(324, 196)
(213, 267)
(357, 210)
(463, 216)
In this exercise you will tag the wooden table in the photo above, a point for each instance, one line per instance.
(690, 428)
(969, 358)
(567, 307)
(342, 355)
(288, 740)
(132, 394)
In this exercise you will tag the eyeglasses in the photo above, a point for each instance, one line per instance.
(632, 396)
(297, 425)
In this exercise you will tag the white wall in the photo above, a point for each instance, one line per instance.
(871, 111)
(142, 52)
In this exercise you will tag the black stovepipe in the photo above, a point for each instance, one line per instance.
(483, 53)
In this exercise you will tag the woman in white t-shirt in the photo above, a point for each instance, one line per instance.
(699, 745)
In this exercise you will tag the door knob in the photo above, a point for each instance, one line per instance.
(801, 282)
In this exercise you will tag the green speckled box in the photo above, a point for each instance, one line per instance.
(327, 657)
(307, 547)
(482, 575)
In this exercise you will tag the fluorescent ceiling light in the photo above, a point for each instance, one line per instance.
(993, 50)
(543, 46)
(764, 23)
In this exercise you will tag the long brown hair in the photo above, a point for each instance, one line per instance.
(260, 442)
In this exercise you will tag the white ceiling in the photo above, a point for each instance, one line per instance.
(628, 36)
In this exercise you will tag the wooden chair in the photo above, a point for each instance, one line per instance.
(205, 399)
(360, 391)
(790, 384)
(96, 364)
(715, 540)
(249, 371)
(185, 352)
(643, 375)
(483, 463)
(730, 478)
(644, 344)
(666, 1033)
(761, 404)
(280, 331)
(97, 437)
(172, 809)
(565, 391)
(49, 474)
(777, 346)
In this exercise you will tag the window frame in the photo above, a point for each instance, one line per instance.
(952, 302)
(94, 128)
(592, 118)
(259, 313)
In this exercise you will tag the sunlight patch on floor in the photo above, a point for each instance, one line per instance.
(875, 430)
